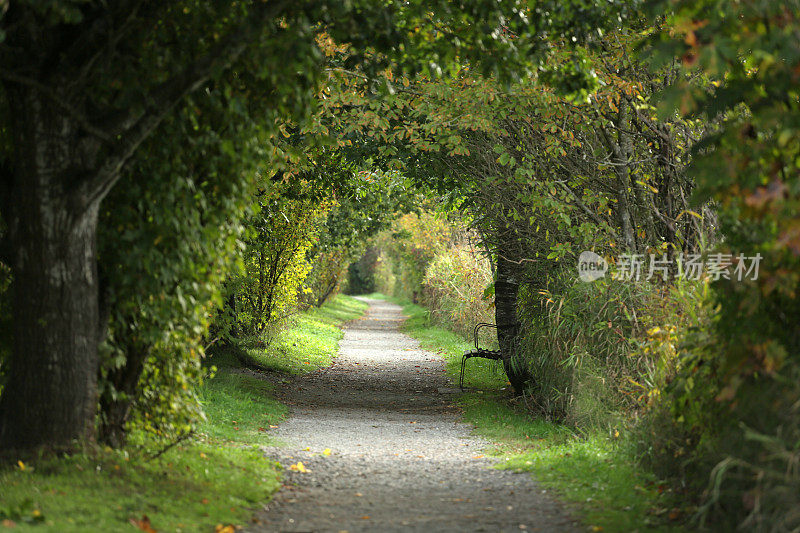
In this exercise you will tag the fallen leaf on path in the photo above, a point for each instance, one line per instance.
(326, 452)
(365, 517)
(477, 456)
(299, 467)
(224, 529)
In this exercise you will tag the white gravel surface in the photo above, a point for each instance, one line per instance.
(400, 459)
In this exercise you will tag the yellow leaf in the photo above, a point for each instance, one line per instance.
(299, 467)
(326, 451)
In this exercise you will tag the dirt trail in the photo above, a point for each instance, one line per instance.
(400, 459)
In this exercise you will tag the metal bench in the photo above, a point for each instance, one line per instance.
(494, 355)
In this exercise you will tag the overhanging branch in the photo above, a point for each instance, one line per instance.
(51, 95)
(132, 130)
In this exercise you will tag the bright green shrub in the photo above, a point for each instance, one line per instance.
(328, 269)
(275, 262)
(384, 279)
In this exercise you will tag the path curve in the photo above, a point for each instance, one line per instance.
(399, 460)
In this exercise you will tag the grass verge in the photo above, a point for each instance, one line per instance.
(214, 479)
(309, 341)
(593, 474)
(210, 482)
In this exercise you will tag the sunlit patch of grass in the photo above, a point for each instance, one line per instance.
(239, 407)
(594, 472)
(309, 342)
(188, 488)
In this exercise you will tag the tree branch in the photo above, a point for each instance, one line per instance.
(102, 38)
(134, 129)
(48, 93)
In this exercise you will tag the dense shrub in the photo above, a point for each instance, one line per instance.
(275, 261)
(328, 271)
(737, 455)
(454, 289)
(577, 341)
(361, 274)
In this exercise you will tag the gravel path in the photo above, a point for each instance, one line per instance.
(399, 460)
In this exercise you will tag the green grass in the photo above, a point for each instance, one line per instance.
(191, 488)
(238, 404)
(593, 473)
(217, 477)
(310, 341)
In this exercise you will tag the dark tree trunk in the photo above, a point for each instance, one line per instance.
(329, 290)
(115, 408)
(51, 392)
(505, 298)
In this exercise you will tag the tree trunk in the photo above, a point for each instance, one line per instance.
(115, 408)
(505, 298)
(621, 156)
(51, 392)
